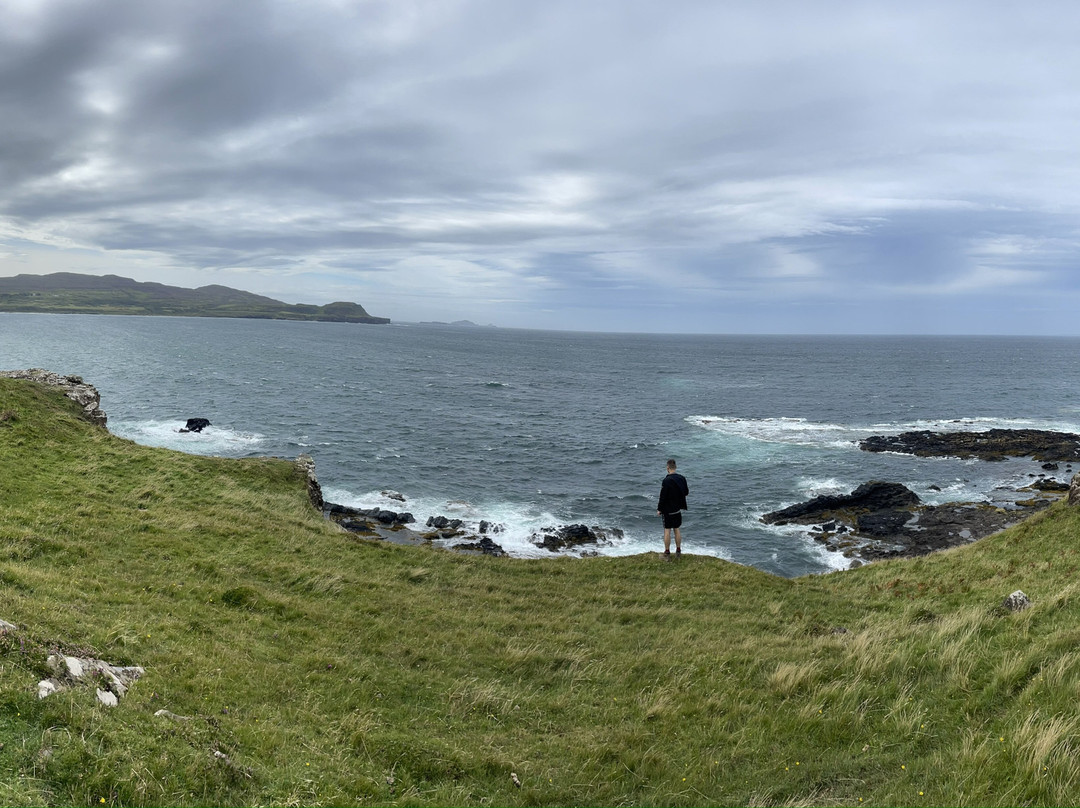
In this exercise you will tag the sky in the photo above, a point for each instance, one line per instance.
(613, 165)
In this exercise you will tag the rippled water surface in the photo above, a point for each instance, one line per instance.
(537, 428)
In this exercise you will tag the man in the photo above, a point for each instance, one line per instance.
(672, 503)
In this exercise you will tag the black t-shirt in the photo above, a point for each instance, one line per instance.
(673, 491)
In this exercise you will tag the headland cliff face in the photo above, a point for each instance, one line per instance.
(83, 394)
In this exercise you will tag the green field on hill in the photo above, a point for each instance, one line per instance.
(304, 666)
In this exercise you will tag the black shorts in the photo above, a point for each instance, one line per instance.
(672, 520)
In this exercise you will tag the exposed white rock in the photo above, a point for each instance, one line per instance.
(1074, 490)
(46, 687)
(74, 667)
(107, 698)
(72, 670)
(6, 626)
(172, 716)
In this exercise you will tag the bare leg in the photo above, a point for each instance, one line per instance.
(678, 541)
(667, 540)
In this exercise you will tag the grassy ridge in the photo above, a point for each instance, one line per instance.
(72, 293)
(330, 670)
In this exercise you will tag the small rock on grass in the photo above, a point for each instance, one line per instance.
(1017, 601)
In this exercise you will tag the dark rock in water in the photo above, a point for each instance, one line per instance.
(886, 520)
(357, 525)
(442, 523)
(343, 514)
(485, 545)
(566, 536)
(1050, 466)
(871, 496)
(493, 527)
(994, 444)
(195, 425)
(394, 495)
(1050, 485)
(333, 510)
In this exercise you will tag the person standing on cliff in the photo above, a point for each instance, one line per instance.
(673, 491)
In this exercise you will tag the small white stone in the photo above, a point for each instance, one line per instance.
(46, 687)
(107, 698)
(74, 667)
(171, 716)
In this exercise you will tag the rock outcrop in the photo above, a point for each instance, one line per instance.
(305, 464)
(195, 425)
(485, 546)
(565, 537)
(887, 520)
(1017, 601)
(83, 394)
(994, 444)
(873, 496)
(1074, 490)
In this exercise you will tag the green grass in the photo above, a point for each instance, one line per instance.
(329, 670)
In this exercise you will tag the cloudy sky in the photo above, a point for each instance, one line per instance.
(764, 166)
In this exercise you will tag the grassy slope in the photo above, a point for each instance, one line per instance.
(331, 670)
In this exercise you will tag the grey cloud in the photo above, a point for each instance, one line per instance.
(759, 152)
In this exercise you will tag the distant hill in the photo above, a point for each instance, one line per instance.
(71, 293)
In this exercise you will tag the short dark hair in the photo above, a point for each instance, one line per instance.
(671, 464)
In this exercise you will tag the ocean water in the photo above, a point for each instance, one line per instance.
(532, 429)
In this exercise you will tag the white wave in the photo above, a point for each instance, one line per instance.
(818, 486)
(982, 424)
(804, 432)
(519, 523)
(796, 534)
(792, 431)
(213, 440)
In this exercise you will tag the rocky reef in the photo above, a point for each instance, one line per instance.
(452, 533)
(993, 444)
(888, 520)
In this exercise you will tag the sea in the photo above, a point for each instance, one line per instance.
(534, 429)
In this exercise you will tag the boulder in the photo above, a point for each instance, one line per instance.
(872, 496)
(356, 519)
(1017, 601)
(442, 523)
(567, 536)
(1074, 490)
(485, 545)
(195, 425)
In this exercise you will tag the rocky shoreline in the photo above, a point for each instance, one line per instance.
(401, 527)
(881, 519)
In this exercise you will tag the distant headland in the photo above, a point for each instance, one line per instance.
(72, 293)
